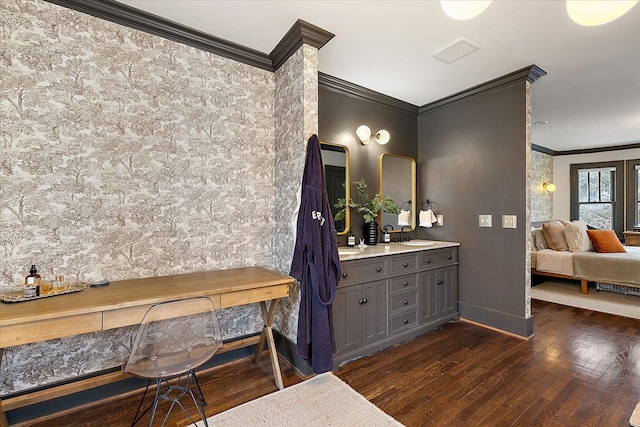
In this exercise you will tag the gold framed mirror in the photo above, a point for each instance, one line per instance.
(335, 158)
(398, 181)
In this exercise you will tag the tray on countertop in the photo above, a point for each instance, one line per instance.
(19, 297)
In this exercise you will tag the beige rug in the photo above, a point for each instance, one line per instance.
(323, 400)
(635, 417)
(606, 302)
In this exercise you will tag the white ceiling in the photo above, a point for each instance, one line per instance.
(590, 97)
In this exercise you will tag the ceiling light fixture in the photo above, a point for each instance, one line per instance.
(464, 9)
(597, 12)
(540, 122)
(364, 135)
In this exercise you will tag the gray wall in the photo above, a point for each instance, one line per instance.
(339, 117)
(473, 159)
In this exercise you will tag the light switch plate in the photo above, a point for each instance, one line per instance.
(485, 220)
(440, 220)
(509, 221)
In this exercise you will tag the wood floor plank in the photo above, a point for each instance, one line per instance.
(580, 368)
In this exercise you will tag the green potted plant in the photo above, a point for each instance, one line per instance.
(369, 207)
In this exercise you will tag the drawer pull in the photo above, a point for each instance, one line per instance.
(405, 283)
(429, 261)
(405, 302)
(406, 321)
(379, 269)
(440, 282)
(344, 275)
(404, 264)
(449, 257)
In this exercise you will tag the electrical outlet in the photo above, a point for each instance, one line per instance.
(485, 220)
(509, 221)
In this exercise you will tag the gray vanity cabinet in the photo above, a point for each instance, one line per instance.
(387, 299)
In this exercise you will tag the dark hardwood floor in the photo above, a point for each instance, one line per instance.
(581, 368)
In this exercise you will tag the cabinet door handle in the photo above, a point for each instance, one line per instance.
(364, 301)
(429, 261)
(440, 282)
(405, 302)
(405, 283)
(379, 269)
(361, 301)
(344, 275)
(406, 321)
(404, 264)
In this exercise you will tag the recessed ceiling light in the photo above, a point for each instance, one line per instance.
(597, 12)
(464, 9)
(540, 122)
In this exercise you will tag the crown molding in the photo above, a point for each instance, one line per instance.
(128, 16)
(353, 90)
(301, 32)
(530, 74)
(544, 150)
(597, 150)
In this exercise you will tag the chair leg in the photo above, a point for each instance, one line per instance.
(156, 400)
(137, 418)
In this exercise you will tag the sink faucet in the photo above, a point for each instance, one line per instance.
(402, 232)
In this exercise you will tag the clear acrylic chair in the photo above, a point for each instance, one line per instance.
(174, 339)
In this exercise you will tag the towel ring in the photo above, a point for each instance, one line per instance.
(407, 202)
(426, 202)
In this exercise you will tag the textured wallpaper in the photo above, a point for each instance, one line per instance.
(541, 199)
(296, 118)
(526, 229)
(127, 155)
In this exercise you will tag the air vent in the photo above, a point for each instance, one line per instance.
(456, 50)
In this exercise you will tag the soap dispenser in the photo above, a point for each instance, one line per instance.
(386, 236)
(351, 240)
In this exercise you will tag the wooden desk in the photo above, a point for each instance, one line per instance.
(124, 303)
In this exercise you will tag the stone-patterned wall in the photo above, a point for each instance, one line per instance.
(296, 118)
(527, 280)
(541, 199)
(128, 155)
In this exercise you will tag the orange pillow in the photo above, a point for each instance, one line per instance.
(605, 241)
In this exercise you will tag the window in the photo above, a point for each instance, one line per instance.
(597, 194)
(633, 194)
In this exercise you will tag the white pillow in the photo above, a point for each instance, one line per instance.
(577, 237)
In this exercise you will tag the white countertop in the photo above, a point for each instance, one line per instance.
(382, 249)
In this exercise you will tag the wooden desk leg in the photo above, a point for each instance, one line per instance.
(267, 335)
(3, 417)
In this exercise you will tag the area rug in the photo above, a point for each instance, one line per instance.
(635, 417)
(324, 400)
(605, 302)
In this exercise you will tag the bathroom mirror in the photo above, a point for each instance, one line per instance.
(398, 181)
(336, 170)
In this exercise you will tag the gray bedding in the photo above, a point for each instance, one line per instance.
(617, 269)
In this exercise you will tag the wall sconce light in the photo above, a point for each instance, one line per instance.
(549, 187)
(364, 135)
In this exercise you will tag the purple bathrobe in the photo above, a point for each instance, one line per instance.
(315, 265)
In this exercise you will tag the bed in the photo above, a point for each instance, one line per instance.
(564, 249)
(616, 269)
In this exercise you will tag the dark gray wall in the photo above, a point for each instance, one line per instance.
(472, 160)
(339, 115)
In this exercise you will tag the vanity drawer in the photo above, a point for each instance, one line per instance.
(401, 302)
(403, 321)
(438, 257)
(401, 264)
(364, 270)
(404, 284)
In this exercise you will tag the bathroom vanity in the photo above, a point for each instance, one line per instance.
(391, 293)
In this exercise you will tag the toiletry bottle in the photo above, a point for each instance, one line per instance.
(386, 237)
(32, 283)
(351, 240)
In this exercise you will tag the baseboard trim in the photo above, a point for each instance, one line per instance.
(516, 325)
